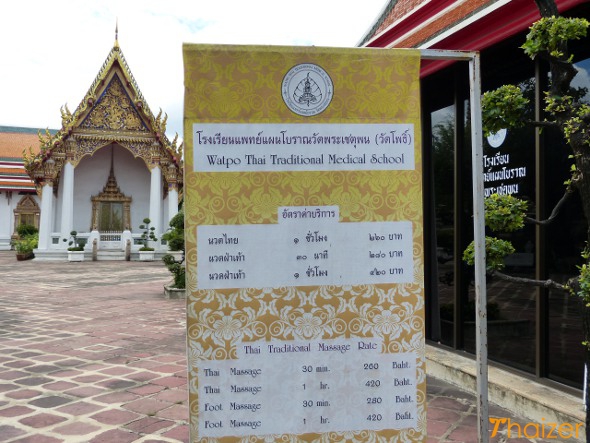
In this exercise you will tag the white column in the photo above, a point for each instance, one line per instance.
(6, 220)
(46, 218)
(67, 204)
(172, 202)
(156, 201)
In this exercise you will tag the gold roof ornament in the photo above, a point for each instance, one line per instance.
(117, 34)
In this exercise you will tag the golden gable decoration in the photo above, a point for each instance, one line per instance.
(112, 111)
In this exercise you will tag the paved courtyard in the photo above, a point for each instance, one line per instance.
(92, 352)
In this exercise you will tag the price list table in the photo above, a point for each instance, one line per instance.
(298, 252)
(298, 387)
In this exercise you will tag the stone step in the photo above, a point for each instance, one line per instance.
(520, 395)
(101, 255)
(110, 255)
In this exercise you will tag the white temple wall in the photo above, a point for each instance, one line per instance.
(9, 200)
(90, 177)
(6, 218)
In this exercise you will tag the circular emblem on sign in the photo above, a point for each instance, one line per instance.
(307, 89)
(497, 138)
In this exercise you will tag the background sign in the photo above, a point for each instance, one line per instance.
(303, 213)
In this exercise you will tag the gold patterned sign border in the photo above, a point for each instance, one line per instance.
(239, 84)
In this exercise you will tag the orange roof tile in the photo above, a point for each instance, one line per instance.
(12, 144)
(13, 141)
(17, 186)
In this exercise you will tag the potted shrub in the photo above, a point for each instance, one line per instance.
(24, 246)
(146, 252)
(76, 247)
(175, 238)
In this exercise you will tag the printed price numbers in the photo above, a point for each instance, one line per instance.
(308, 387)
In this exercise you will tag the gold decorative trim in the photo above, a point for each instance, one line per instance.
(26, 206)
(111, 193)
(114, 111)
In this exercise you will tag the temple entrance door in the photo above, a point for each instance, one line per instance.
(111, 212)
(111, 216)
(110, 224)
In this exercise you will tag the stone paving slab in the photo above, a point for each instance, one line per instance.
(92, 352)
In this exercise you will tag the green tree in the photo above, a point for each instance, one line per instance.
(147, 235)
(175, 238)
(567, 111)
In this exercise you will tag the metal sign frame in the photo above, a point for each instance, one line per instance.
(481, 345)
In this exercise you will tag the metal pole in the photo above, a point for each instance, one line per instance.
(481, 343)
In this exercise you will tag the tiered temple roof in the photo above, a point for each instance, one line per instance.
(13, 140)
(112, 111)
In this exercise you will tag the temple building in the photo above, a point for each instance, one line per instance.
(536, 331)
(19, 202)
(108, 168)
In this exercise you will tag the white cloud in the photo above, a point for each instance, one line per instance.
(53, 50)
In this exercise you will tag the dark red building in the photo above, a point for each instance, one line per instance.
(536, 331)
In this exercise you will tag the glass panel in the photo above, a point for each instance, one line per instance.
(565, 241)
(509, 167)
(443, 154)
(566, 352)
(116, 216)
(27, 219)
(104, 217)
(111, 216)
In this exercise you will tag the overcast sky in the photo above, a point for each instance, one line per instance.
(52, 50)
